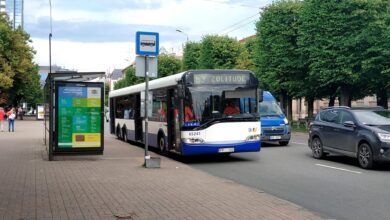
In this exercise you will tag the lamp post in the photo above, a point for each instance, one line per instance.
(180, 31)
(51, 90)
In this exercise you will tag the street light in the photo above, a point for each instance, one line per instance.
(180, 31)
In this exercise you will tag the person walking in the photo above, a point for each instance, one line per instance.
(2, 114)
(11, 120)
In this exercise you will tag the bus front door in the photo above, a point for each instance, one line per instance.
(173, 121)
(138, 119)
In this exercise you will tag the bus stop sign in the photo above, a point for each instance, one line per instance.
(147, 43)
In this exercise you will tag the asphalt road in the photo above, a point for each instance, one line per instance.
(334, 188)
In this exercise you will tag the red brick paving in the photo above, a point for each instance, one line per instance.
(116, 186)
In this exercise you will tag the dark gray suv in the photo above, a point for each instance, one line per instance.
(362, 133)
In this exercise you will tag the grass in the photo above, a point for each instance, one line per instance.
(300, 128)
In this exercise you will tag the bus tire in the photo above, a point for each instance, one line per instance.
(118, 133)
(124, 135)
(161, 143)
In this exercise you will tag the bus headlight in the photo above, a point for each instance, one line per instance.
(255, 137)
(193, 140)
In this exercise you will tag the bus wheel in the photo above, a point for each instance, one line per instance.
(161, 143)
(125, 136)
(118, 133)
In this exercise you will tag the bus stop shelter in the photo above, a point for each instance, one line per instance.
(74, 112)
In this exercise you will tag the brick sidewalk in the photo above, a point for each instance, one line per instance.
(115, 186)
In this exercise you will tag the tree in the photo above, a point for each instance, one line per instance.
(168, 65)
(191, 55)
(219, 52)
(376, 63)
(19, 79)
(277, 57)
(332, 41)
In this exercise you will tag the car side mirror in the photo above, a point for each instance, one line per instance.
(350, 124)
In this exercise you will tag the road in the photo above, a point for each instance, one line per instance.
(334, 188)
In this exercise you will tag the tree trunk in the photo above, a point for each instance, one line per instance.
(283, 101)
(310, 107)
(382, 98)
(345, 96)
(289, 108)
(331, 100)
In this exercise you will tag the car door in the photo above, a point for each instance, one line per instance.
(345, 135)
(329, 134)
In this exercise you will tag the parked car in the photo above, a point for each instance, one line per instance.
(362, 133)
(274, 124)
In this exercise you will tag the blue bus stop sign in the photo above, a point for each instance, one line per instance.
(147, 43)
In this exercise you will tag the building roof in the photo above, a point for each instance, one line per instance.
(116, 74)
(247, 38)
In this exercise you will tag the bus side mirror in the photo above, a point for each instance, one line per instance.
(260, 93)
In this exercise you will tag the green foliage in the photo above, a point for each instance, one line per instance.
(277, 57)
(191, 55)
(129, 80)
(219, 52)
(19, 79)
(168, 65)
(333, 40)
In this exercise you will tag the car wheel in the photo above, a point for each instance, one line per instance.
(161, 143)
(283, 143)
(317, 149)
(365, 156)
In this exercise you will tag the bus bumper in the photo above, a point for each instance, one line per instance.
(198, 149)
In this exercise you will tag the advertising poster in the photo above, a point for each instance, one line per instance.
(40, 112)
(79, 117)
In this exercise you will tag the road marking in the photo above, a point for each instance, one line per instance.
(336, 168)
(299, 143)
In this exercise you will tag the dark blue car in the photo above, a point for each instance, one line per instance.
(362, 133)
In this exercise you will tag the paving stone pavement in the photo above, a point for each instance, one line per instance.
(116, 186)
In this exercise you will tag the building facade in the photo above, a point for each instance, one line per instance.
(15, 11)
(2, 6)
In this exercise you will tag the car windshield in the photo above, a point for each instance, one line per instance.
(203, 104)
(373, 117)
(270, 108)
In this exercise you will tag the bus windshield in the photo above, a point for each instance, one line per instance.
(203, 104)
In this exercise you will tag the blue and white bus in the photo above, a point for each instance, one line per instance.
(188, 112)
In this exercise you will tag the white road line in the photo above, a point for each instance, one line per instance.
(336, 168)
(299, 143)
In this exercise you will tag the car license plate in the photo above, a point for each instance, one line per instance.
(226, 150)
(275, 137)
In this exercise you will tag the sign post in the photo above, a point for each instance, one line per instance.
(147, 44)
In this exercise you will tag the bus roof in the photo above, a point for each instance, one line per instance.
(157, 83)
(167, 81)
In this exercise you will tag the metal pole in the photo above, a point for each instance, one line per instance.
(51, 109)
(146, 106)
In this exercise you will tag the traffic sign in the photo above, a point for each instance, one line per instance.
(147, 43)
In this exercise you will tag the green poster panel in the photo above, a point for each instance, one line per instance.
(79, 120)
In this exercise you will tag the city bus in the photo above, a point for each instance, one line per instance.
(191, 113)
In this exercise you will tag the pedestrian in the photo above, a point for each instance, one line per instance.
(11, 120)
(20, 113)
(2, 113)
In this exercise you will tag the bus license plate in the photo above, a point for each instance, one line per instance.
(275, 137)
(225, 150)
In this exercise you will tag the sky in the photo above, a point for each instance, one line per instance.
(99, 35)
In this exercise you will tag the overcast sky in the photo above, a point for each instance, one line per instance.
(99, 35)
